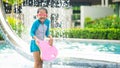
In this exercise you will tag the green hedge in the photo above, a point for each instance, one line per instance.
(112, 21)
(1, 38)
(87, 33)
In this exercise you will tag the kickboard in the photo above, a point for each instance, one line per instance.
(47, 52)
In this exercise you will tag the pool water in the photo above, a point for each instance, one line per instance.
(105, 47)
(9, 58)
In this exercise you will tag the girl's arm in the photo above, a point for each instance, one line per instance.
(33, 30)
(50, 40)
(36, 39)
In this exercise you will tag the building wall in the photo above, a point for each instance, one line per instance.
(94, 12)
(116, 0)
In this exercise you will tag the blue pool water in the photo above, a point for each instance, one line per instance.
(9, 58)
(83, 46)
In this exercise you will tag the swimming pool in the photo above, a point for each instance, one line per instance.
(72, 54)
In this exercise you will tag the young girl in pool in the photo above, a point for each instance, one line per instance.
(39, 30)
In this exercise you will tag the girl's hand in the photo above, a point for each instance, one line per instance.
(51, 41)
(37, 41)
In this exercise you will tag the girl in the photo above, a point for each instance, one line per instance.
(39, 30)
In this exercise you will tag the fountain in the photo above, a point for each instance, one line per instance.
(59, 12)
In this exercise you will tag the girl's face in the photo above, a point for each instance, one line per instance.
(42, 15)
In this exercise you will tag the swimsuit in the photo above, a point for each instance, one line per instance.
(40, 31)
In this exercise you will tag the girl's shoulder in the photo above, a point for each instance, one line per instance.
(36, 22)
(47, 21)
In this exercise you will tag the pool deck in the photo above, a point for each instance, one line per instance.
(89, 40)
(2, 41)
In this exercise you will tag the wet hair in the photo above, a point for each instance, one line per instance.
(42, 8)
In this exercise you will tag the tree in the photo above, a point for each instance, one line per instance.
(13, 3)
(15, 23)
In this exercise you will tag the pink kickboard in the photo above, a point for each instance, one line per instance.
(47, 52)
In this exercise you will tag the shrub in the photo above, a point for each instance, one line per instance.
(112, 21)
(16, 24)
(88, 33)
